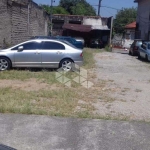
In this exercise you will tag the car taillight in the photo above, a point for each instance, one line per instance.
(135, 48)
(81, 55)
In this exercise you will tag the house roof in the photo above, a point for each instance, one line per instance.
(131, 25)
(84, 28)
(77, 27)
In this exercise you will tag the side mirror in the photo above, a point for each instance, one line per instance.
(20, 48)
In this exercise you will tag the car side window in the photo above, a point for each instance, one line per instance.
(148, 46)
(132, 44)
(53, 46)
(143, 46)
(29, 46)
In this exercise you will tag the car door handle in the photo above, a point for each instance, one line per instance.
(37, 53)
(58, 52)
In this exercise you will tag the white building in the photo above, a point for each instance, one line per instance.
(143, 19)
(129, 35)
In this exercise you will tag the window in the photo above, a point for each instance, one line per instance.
(148, 46)
(143, 46)
(68, 43)
(53, 46)
(29, 46)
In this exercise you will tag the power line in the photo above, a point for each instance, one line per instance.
(111, 7)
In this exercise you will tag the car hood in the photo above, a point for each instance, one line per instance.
(4, 50)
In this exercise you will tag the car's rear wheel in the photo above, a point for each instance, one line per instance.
(139, 57)
(66, 65)
(132, 53)
(5, 64)
(129, 52)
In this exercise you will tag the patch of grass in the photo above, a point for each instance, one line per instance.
(88, 55)
(62, 102)
(45, 76)
(108, 49)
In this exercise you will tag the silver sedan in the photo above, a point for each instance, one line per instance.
(41, 53)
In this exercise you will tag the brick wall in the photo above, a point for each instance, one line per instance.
(19, 20)
(5, 23)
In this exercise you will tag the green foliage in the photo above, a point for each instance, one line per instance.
(59, 10)
(83, 9)
(108, 48)
(124, 17)
(77, 7)
(55, 10)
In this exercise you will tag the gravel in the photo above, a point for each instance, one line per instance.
(128, 85)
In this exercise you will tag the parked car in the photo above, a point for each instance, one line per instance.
(43, 37)
(144, 51)
(134, 47)
(41, 53)
(96, 43)
(77, 44)
(80, 39)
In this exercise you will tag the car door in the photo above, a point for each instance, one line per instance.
(131, 47)
(27, 55)
(52, 53)
(143, 50)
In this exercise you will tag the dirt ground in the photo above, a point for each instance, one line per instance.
(127, 86)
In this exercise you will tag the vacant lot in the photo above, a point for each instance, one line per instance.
(121, 86)
(33, 91)
(127, 86)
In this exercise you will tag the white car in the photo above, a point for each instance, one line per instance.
(144, 51)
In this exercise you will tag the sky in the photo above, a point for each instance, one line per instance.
(104, 12)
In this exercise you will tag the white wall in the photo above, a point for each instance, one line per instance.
(91, 21)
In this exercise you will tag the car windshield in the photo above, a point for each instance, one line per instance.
(138, 43)
(68, 43)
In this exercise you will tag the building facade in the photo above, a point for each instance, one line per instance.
(143, 20)
(21, 19)
(87, 27)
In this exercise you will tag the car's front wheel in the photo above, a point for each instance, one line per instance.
(66, 65)
(146, 58)
(5, 64)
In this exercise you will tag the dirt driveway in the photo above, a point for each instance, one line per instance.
(127, 86)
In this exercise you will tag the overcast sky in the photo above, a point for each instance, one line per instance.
(105, 12)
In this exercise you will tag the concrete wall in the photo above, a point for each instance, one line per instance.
(20, 20)
(91, 21)
(5, 23)
(143, 18)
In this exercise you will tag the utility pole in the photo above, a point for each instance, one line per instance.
(51, 17)
(99, 6)
(111, 31)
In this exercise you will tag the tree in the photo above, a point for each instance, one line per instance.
(59, 10)
(124, 17)
(83, 9)
(56, 9)
(77, 7)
